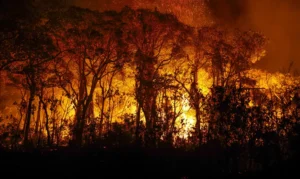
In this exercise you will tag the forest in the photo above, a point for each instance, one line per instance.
(74, 79)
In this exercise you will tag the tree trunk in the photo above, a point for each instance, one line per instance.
(196, 100)
(77, 137)
(77, 131)
(53, 129)
(28, 116)
(40, 133)
(81, 114)
(137, 128)
(111, 114)
(198, 124)
(47, 123)
(102, 113)
(146, 93)
(149, 109)
(38, 118)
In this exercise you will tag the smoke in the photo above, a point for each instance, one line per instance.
(276, 19)
(102, 4)
(227, 12)
(192, 12)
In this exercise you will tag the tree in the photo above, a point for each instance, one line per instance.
(231, 54)
(29, 63)
(95, 50)
(155, 38)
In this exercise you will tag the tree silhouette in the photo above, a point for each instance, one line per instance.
(95, 50)
(29, 63)
(154, 37)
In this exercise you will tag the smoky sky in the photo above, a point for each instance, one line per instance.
(227, 12)
(278, 20)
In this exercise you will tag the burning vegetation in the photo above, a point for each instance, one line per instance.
(76, 77)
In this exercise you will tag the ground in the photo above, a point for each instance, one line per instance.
(124, 163)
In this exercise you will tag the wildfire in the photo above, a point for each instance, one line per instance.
(127, 105)
(188, 121)
(139, 63)
(204, 81)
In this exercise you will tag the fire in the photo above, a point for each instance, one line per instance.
(166, 75)
(204, 81)
(188, 120)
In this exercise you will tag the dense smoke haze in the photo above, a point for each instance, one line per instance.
(277, 19)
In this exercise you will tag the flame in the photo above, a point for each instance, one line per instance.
(277, 82)
(204, 81)
(188, 120)
(122, 99)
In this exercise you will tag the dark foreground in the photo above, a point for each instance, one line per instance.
(126, 163)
